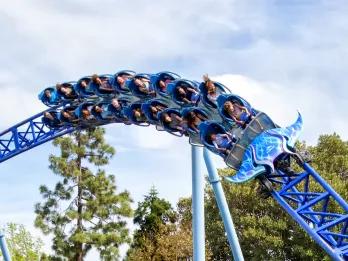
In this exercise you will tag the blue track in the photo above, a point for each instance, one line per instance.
(305, 196)
(27, 135)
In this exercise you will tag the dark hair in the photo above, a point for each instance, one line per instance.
(209, 137)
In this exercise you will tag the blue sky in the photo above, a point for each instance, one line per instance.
(279, 55)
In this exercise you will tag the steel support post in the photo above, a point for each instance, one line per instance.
(197, 205)
(214, 180)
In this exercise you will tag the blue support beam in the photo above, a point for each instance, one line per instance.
(214, 180)
(4, 250)
(309, 199)
(26, 135)
(197, 205)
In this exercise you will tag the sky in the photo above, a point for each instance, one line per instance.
(281, 56)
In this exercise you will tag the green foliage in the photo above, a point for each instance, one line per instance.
(184, 209)
(159, 237)
(153, 212)
(150, 215)
(21, 244)
(83, 210)
(330, 157)
(265, 231)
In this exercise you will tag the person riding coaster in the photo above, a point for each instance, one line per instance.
(216, 138)
(67, 115)
(238, 113)
(117, 107)
(83, 87)
(161, 80)
(98, 110)
(235, 110)
(51, 120)
(50, 96)
(120, 79)
(141, 86)
(84, 112)
(184, 92)
(172, 122)
(193, 117)
(135, 114)
(102, 85)
(211, 90)
(110, 111)
(151, 109)
(66, 90)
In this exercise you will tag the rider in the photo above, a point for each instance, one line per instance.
(116, 104)
(103, 85)
(223, 142)
(188, 96)
(155, 109)
(143, 85)
(83, 84)
(163, 84)
(69, 116)
(238, 113)
(86, 114)
(211, 89)
(97, 110)
(139, 115)
(121, 80)
(66, 91)
(52, 119)
(48, 95)
(173, 121)
(194, 119)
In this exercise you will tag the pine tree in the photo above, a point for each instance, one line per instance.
(163, 234)
(83, 210)
(156, 219)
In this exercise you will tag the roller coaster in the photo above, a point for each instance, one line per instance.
(210, 116)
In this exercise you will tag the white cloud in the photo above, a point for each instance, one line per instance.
(17, 105)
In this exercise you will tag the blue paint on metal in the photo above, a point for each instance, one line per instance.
(4, 249)
(26, 135)
(299, 196)
(223, 207)
(197, 205)
(265, 148)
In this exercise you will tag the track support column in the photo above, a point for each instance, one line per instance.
(4, 249)
(197, 205)
(214, 180)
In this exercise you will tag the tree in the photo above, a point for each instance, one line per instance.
(265, 230)
(184, 209)
(159, 236)
(22, 245)
(152, 215)
(153, 212)
(83, 210)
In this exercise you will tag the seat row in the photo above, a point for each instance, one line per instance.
(164, 85)
(205, 111)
